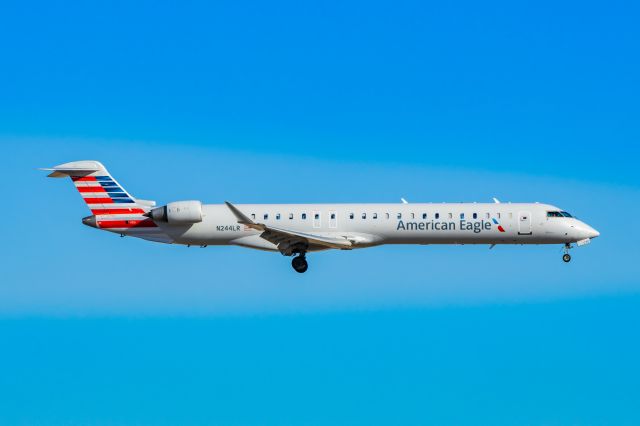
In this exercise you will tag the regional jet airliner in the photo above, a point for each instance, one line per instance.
(298, 229)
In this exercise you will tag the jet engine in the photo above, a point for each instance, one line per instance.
(178, 213)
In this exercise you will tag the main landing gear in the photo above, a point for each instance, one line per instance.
(300, 264)
(566, 257)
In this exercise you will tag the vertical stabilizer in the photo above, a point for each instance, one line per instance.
(102, 193)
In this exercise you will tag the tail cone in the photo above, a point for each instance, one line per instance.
(90, 221)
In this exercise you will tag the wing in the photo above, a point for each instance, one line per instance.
(286, 237)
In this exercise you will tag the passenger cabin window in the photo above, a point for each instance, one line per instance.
(488, 215)
(450, 215)
(387, 215)
(413, 215)
(277, 216)
(290, 216)
(475, 215)
(461, 215)
(253, 215)
(499, 215)
(424, 215)
(304, 216)
(364, 215)
(266, 216)
(351, 215)
(399, 215)
(437, 215)
(375, 215)
(316, 216)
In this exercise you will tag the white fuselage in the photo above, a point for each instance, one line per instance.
(367, 225)
(296, 229)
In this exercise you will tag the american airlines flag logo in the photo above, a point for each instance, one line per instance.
(105, 197)
(500, 228)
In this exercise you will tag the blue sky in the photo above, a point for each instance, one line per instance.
(320, 102)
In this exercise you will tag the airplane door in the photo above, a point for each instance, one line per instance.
(333, 220)
(524, 223)
(317, 221)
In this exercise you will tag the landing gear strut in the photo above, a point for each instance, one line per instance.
(300, 264)
(566, 257)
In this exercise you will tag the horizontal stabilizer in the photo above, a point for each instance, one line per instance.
(68, 172)
(76, 169)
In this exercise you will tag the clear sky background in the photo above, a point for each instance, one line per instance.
(320, 102)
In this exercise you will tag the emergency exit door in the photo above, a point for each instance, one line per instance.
(524, 223)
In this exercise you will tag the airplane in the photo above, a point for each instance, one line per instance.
(297, 229)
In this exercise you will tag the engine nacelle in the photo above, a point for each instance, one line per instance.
(178, 213)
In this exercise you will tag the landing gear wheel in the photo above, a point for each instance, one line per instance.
(566, 258)
(300, 264)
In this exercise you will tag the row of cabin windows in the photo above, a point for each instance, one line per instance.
(316, 216)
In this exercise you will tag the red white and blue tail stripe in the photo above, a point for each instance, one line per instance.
(113, 208)
(104, 196)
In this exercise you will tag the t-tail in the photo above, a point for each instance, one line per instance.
(102, 193)
(112, 207)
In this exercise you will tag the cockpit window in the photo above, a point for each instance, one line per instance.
(566, 214)
(554, 214)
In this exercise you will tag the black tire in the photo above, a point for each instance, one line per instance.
(566, 258)
(300, 264)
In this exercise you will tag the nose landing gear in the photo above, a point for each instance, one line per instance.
(300, 264)
(566, 257)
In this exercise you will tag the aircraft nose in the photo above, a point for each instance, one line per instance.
(587, 231)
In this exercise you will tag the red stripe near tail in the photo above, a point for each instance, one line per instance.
(126, 224)
(116, 211)
(91, 189)
(98, 200)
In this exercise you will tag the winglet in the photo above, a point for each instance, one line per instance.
(495, 200)
(404, 201)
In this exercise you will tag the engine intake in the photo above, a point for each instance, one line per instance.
(178, 213)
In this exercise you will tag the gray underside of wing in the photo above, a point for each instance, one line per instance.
(322, 240)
